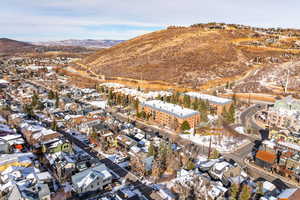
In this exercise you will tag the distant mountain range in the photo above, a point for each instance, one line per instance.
(9, 46)
(88, 43)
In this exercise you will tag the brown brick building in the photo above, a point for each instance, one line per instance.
(170, 115)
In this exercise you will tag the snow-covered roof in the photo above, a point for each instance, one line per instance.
(44, 176)
(290, 145)
(2, 81)
(99, 104)
(135, 149)
(139, 136)
(268, 186)
(85, 178)
(287, 193)
(221, 165)
(11, 137)
(112, 85)
(5, 128)
(210, 98)
(171, 109)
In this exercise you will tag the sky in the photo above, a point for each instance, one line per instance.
(46, 20)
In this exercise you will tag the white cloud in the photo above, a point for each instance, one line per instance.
(42, 19)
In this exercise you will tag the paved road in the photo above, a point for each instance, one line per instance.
(246, 116)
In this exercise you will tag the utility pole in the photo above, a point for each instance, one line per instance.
(209, 147)
(287, 81)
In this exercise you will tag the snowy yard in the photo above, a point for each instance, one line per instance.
(220, 142)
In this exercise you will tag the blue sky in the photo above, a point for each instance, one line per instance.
(43, 20)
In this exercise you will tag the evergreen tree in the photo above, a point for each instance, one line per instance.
(34, 100)
(245, 193)
(110, 95)
(151, 150)
(234, 99)
(40, 106)
(136, 105)
(185, 126)
(50, 95)
(234, 190)
(260, 191)
(227, 85)
(94, 134)
(187, 101)
(190, 165)
(28, 109)
(195, 104)
(56, 100)
(215, 93)
(158, 97)
(143, 114)
(54, 125)
(229, 115)
(215, 154)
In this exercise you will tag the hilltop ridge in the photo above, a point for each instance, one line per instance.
(197, 55)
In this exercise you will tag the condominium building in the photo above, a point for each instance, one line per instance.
(170, 115)
(219, 103)
(285, 114)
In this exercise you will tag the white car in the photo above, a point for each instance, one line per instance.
(92, 145)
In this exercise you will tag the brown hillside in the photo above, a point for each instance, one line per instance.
(8, 45)
(192, 56)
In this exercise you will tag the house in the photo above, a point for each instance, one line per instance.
(63, 164)
(234, 175)
(127, 194)
(166, 194)
(170, 115)
(37, 192)
(15, 141)
(265, 159)
(4, 147)
(36, 135)
(141, 162)
(126, 142)
(17, 159)
(218, 170)
(91, 179)
(289, 194)
(56, 145)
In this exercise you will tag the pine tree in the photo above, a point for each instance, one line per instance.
(34, 100)
(50, 95)
(231, 114)
(245, 193)
(187, 101)
(54, 125)
(136, 105)
(185, 126)
(28, 109)
(195, 104)
(215, 154)
(260, 191)
(227, 85)
(151, 150)
(56, 100)
(234, 190)
(190, 165)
